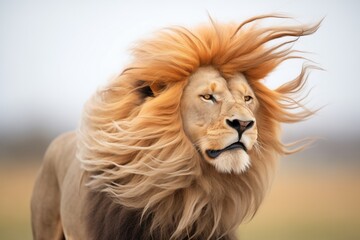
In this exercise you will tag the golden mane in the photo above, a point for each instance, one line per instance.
(132, 146)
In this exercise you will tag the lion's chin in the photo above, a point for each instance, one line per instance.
(234, 161)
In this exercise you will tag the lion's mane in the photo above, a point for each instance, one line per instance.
(133, 147)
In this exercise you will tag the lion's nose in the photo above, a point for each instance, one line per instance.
(240, 126)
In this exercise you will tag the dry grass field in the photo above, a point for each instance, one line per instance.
(309, 205)
(302, 205)
(16, 184)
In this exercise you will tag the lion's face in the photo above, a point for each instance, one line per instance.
(218, 117)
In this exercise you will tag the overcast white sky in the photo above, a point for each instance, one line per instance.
(54, 54)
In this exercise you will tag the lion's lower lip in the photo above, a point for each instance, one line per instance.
(216, 153)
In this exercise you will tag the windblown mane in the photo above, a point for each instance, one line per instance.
(133, 147)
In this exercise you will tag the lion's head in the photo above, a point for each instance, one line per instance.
(219, 118)
(188, 133)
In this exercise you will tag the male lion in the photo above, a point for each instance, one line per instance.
(181, 145)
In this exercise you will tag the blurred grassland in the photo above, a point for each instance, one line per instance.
(302, 205)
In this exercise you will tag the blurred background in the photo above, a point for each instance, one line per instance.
(55, 54)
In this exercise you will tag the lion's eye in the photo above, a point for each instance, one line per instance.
(208, 97)
(248, 98)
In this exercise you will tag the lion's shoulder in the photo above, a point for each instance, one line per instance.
(60, 154)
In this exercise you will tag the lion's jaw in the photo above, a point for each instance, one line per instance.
(218, 118)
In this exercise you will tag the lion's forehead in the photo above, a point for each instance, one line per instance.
(208, 80)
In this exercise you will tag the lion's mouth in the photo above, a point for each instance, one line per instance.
(215, 153)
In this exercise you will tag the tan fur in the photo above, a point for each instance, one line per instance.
(148, 153)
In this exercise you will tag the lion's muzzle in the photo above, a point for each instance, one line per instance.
(240, 126)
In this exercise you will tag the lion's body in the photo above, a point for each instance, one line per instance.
(57, 199)
(181, 145)
(66, 209)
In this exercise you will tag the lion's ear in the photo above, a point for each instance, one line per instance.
(151, 90)
(157, 88)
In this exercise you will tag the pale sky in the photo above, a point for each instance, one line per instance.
(54, 54)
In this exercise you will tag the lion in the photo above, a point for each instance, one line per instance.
(182, 144)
